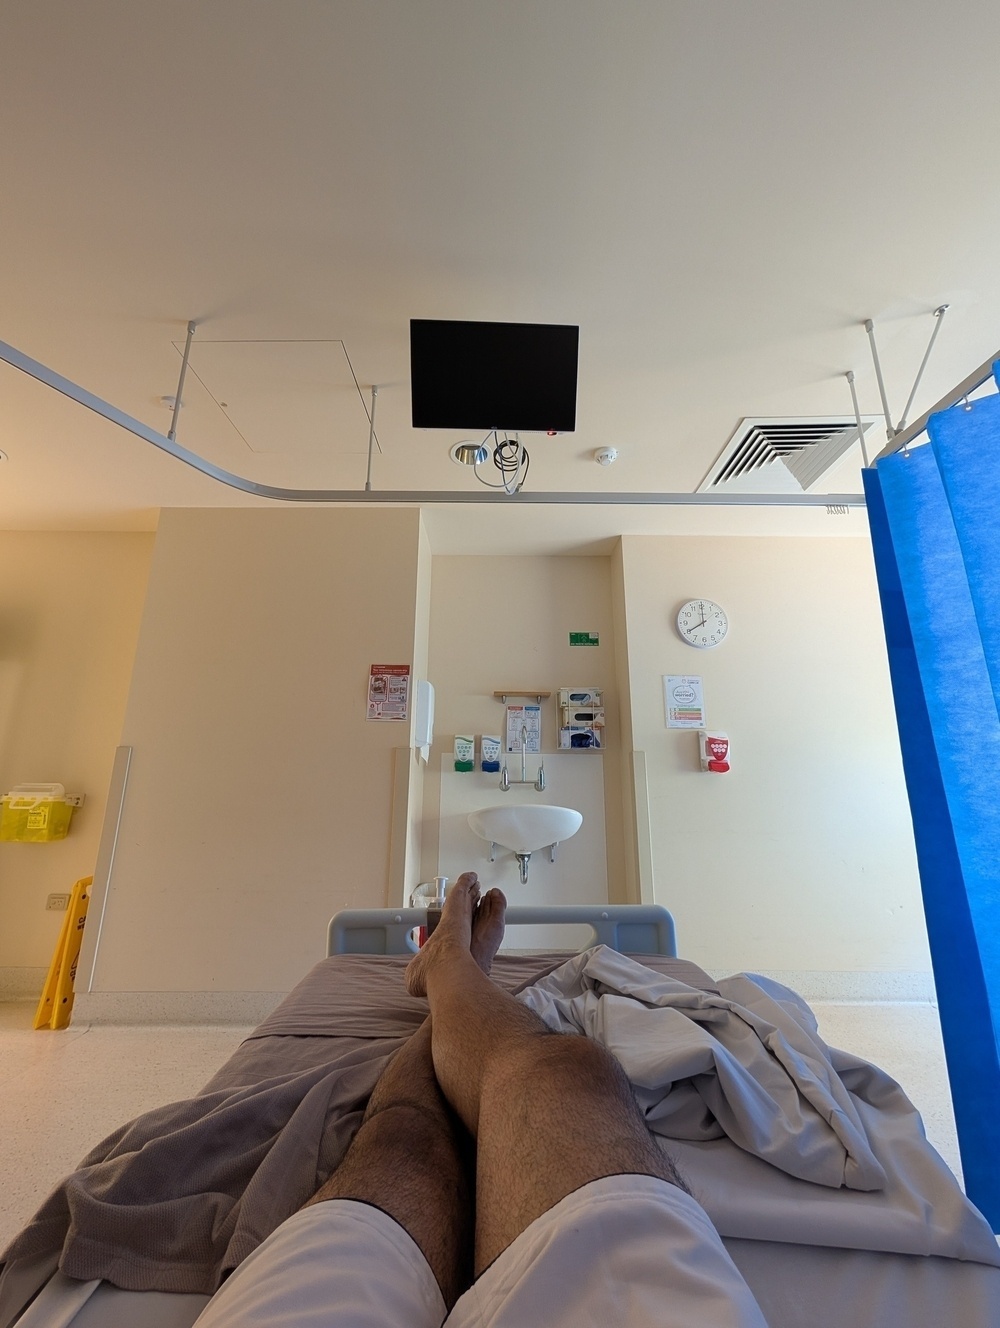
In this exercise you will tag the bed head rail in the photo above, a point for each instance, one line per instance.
(628, 928)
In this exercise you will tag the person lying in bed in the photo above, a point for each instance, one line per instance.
(576, 1216)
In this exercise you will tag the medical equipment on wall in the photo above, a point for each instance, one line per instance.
(37, 813)
(714, 749)
(423, 715)
(581, 718)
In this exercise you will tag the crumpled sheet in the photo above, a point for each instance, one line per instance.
(779, 1137)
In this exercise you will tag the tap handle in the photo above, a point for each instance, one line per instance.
(540, 781)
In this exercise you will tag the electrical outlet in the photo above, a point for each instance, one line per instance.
(57, 903)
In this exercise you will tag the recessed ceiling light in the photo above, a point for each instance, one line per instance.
(469, 454)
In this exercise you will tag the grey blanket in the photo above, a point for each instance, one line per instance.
(178, 1197)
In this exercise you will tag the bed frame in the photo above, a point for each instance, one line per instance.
(797, 1286)
(628, 928)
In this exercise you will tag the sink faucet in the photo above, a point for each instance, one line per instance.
(538, 781)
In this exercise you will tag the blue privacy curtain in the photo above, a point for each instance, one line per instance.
(935, 524)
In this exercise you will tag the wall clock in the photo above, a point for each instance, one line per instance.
(702, 624)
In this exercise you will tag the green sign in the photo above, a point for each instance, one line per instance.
(584, 638)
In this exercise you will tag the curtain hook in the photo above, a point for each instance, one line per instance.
(966, 403)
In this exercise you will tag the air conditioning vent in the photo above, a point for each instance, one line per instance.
(783, 455)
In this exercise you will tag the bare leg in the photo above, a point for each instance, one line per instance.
(413, 1158)
(549, 1112)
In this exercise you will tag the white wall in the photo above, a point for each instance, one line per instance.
(259, 799)
(801, 859)
(69, 620)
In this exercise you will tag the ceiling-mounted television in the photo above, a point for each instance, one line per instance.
(510, 376)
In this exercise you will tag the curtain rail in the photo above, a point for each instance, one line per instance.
(18, 360)
(975, 379)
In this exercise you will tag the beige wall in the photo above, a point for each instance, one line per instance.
(410, 762)
(69, 619)
(801, 858)
(505, 622)
(259, 799)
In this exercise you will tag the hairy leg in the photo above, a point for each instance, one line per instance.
(549, 1112)
(413, 1158)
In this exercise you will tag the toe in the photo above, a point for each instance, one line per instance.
(494, 901)
(466, 888)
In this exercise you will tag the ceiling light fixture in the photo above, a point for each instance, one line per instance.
(469, 454)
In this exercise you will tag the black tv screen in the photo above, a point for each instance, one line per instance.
(509, 376)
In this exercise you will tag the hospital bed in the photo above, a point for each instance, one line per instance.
(164, 1180)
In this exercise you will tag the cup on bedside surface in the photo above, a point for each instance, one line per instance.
(429, 895)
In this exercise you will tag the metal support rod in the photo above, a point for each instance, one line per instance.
(857, 416)
(870, 329)
(939, 313)
(172, 434)
(371, 438)
(975, 379)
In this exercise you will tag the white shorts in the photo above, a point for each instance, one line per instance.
(621, 1252)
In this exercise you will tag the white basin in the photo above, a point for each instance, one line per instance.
(527, 828)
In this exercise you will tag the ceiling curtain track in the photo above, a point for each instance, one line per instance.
(933, 518)
(168, 443)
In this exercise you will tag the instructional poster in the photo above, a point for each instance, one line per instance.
(389, 691)
(524, 717)
(684, 702)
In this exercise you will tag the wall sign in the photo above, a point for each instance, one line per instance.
(521, 717)
(585, 638)
(389, 691)
(683, 701)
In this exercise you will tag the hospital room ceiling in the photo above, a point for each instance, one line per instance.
(718, 194)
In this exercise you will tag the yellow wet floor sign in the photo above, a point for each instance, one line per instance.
(57, 995)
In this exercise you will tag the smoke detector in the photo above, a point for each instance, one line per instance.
(606, 456)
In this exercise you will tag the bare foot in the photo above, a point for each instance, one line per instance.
(488, 928)
(452, 936)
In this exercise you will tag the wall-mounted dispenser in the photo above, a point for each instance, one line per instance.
(423, 717)
(714, 748)
(490, 745)
(581, 718)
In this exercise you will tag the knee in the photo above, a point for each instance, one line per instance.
(569, 1062)
(406, 1129)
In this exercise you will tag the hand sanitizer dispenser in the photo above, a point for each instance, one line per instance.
(714, 752)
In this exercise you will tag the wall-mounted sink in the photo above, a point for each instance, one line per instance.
(526, 828)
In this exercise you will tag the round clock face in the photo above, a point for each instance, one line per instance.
(702, 623)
